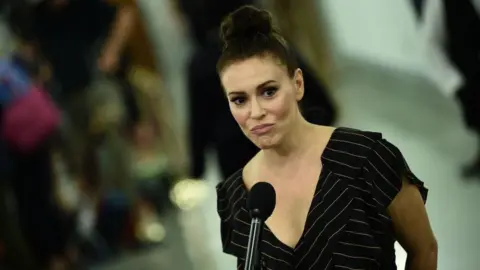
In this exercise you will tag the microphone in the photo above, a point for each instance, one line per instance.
(260, 203)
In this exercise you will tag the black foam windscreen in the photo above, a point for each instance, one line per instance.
(261, 200)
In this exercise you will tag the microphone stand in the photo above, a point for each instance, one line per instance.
(252, 259)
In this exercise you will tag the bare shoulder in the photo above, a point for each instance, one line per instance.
(322, 135)
(250, 170)
(326, 131)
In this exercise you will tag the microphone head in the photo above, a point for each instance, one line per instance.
(261, 200)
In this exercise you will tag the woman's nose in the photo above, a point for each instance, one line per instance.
(256, 109)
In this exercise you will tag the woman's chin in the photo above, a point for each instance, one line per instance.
(266, 147)
(265, 142)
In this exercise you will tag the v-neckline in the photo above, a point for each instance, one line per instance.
(318, 188)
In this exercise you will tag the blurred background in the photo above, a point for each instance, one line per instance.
(115, 130)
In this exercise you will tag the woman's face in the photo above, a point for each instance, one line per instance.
(263, 98)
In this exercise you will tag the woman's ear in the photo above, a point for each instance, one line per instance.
(299, 84)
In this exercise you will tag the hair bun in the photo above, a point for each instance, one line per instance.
(245, 23)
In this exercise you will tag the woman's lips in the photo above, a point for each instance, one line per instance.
(261, 129)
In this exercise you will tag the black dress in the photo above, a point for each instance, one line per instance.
(347, 226)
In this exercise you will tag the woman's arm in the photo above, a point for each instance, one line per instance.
(120, 32)
(412, 228)
(122, 27)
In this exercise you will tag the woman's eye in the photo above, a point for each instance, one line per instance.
(238, 100)
(270, 91)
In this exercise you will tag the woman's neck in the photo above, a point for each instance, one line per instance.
(296, 142)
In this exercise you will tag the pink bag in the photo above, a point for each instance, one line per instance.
(29, 120)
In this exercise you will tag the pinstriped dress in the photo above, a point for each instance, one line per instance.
(347, 226)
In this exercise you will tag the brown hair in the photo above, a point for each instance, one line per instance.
(249, 32)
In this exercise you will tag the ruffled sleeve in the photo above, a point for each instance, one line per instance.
(384, 170)
(230, 196)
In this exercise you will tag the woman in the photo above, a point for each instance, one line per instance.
(45, 227)
(343, 196)
(204, 86)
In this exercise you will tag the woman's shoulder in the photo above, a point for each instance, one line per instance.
(359, 142)
(348, 145)
(350, 150)
(233, 180)
(232, 191)
(229, 195)
(365, 145)
(352, 136)
(369, 156)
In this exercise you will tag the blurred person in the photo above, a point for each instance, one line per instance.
(312, 41)
(344, 196)
(124, 55)
(70, 33)
(69, 42)
(418, 6)
(64, 33)
(211, 126)
(451, 30)
(463, 46)
(153, 123)
(44, 225)
(203, 17)
(13, 249)
(157, 155)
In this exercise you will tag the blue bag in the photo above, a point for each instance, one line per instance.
(14, 83)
